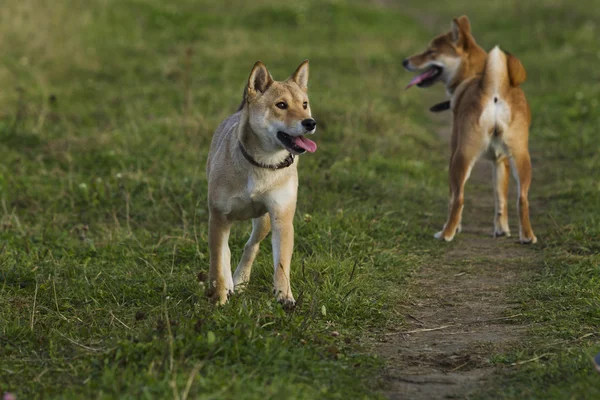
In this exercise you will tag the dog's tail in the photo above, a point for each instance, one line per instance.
(503, 71)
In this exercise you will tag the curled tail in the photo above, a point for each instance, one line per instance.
(503, 71)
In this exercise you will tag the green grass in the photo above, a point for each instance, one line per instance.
(556, 42)
(107, 110)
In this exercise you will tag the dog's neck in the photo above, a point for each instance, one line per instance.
(261, 152)
(470, 67)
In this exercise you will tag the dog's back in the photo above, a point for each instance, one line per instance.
(221, 138)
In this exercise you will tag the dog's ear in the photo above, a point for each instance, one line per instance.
(461, 31)
(260, 79)
(301, 75)
(516, 71)
(464, 22)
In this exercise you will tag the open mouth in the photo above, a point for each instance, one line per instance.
(427, 78)
(296, 144)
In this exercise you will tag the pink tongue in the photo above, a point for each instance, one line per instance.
(305, 143)
(420, 78)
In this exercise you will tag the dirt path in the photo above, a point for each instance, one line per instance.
(460, 312)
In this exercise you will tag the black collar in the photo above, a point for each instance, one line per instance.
(289, 160)
(443, 106)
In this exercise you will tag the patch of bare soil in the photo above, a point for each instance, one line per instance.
(460, 312)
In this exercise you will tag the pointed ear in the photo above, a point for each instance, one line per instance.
(301, 76)
(260, 79)
(465, 23)
(461, 31)
(516, 71)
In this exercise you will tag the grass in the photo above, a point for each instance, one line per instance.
(561, 303)
(107, 110)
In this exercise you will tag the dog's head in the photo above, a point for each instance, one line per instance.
(279, 112)
(444, 56)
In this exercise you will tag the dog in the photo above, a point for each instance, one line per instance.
(252, 174)
(491, 119)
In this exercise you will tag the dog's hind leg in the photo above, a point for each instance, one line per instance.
(460, 169)
(522, 171)
(501, 174)
(220, 282)
(260, 229)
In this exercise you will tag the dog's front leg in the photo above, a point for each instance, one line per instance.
(260, 229)
(220, 284)
(282, 221)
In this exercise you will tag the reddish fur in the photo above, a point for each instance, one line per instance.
(516, 71)
(470, 91)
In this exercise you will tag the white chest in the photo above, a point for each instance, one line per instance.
(259, 197)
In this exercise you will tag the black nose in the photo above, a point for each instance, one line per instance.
(309, 124)
(405, 63)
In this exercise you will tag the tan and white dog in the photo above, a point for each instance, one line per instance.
(491, 118)
(252, 174)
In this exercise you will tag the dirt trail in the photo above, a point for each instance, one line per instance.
(463, 299)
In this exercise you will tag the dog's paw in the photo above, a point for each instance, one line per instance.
(501, 233)
(218, 294)
(288, 305)
(286, 300)
(440, 236)
(531, 239)
(240, 281)
(221, 297)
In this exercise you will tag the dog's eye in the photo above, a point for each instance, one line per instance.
(430, 52)
(281, 105)
(305, 105)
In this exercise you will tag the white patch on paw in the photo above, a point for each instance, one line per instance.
(440, 236)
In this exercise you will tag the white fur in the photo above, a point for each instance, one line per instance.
(496, 114)
(497, 68)
(226, 271)
(451, 65)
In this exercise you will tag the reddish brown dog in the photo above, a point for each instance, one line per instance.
(491, 118)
